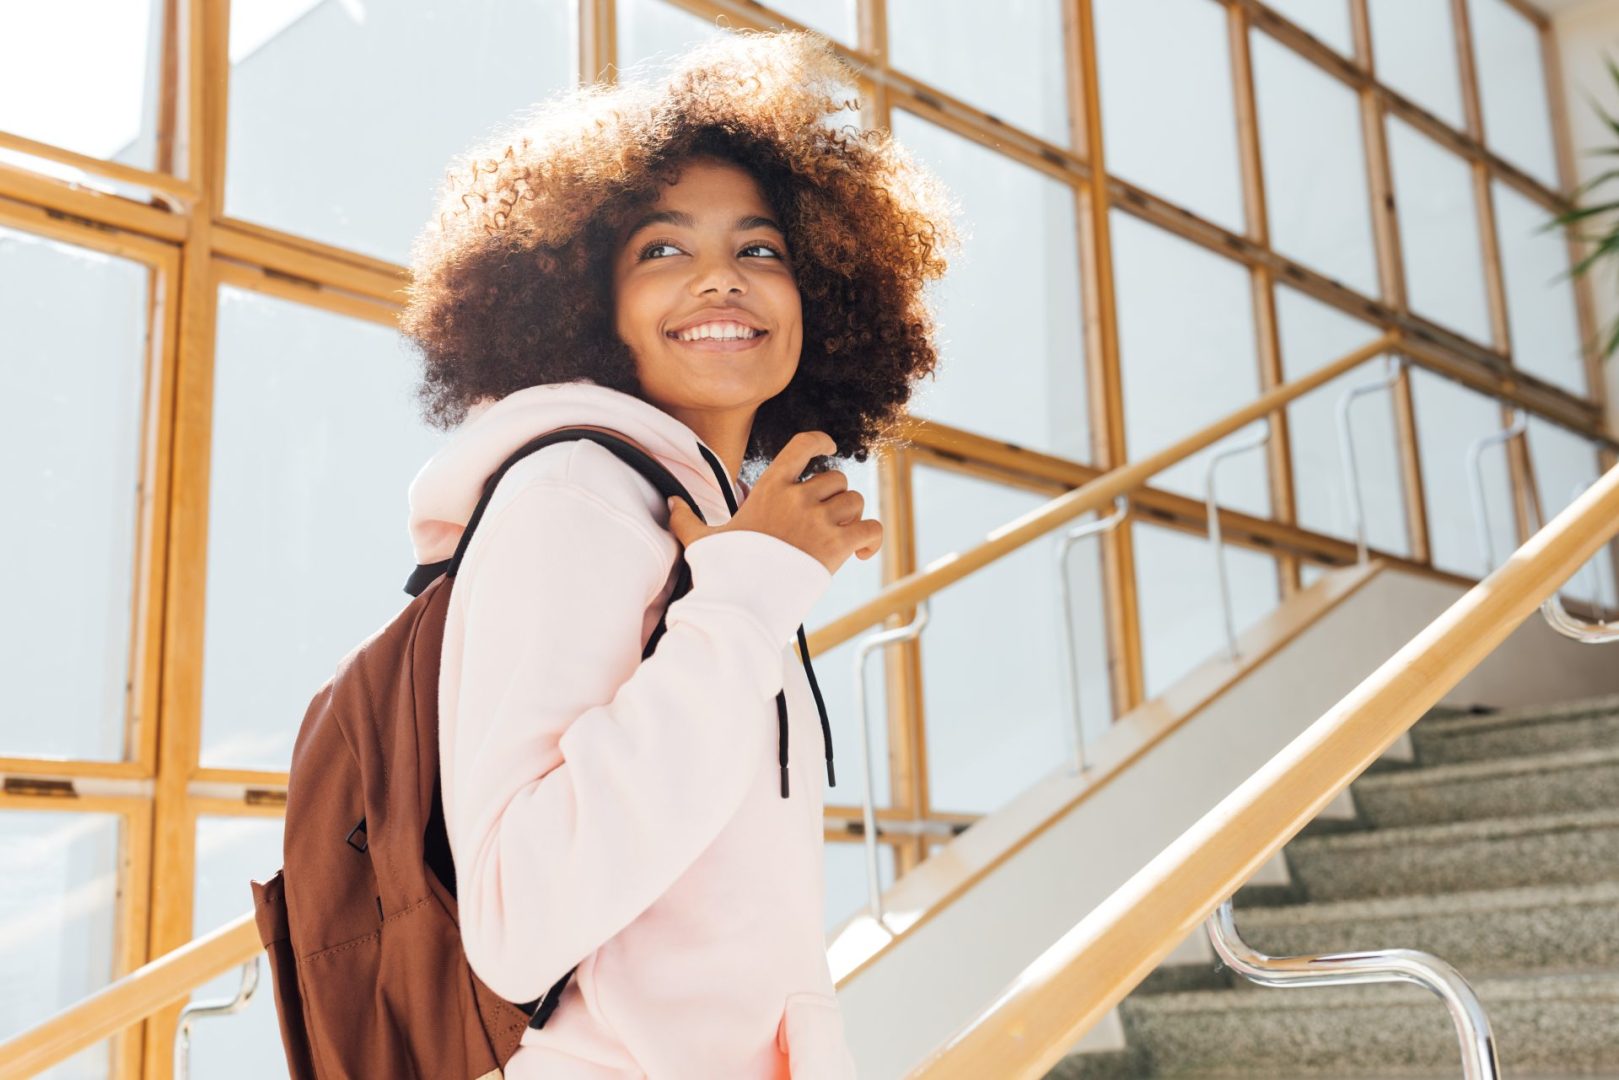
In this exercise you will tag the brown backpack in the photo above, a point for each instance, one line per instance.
(361, 921)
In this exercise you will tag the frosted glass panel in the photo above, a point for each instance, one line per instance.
(1167, 114)
(1449, 418)
(1313, 335)
(1186, 344)
(316, 438)
(1512, 83)
(652, 32)
(856, 581)
(834, 18)
(1414, 49)
(1565, 465)
(58, 921)
(84, 76)
(997, 708)
(847, 892)
(1326, 19)
(342, 116)
(73, 454)
(1433, 191)
(1540, 297)
(1178, 594)
(232, 852)
(1006, 58)
(1315, 166)
(1012, 364)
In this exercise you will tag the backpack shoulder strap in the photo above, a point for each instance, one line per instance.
(655, 472)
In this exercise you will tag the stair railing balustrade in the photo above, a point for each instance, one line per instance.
(1216, 541)
(1065, 613)
(1394, 367)
(201, 1009)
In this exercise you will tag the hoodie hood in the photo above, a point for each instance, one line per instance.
(446, 489)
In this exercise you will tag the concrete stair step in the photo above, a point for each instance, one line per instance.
(1489, 932)
(1445, 737)
(1500, 931)
(1580, 847)
(1544, 1025)
(1548, 783)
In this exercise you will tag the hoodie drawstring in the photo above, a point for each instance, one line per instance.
(803, 652)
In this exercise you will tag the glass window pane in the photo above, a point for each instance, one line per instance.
(857, 581)
(1185, 372)
(232, 852)
(989, 739)
(1328, 20)
(1010, 309)
(1312, 335)
(967, 48)
(1167, 115)
(92, 93)
(1512, 84)
(1564, 465)
(834, 18)
(335, 134)
(652, 32)
(1449, 419)
(1414, 50)
(316, 436)
(58, 920)
(847, 892)
(1433, 190)
(1178, 594)
(75, 454)
(1315, 166)
(1540, 296)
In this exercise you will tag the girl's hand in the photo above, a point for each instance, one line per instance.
(820, 516)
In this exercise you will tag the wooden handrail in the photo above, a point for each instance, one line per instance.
(131, 999)
(1090, 969)
(911, 589)
(154, 986)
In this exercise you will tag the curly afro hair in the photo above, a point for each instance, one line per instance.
(512, 284)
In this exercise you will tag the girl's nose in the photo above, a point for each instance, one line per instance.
(721, 274)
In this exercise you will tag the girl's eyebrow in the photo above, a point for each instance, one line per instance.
(685, 220)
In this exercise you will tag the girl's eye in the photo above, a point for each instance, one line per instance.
(646, 252)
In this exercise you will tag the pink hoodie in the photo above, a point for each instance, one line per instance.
(622, 815)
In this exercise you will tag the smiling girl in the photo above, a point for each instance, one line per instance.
(708, 269)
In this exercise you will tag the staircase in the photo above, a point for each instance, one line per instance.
(1497, 850)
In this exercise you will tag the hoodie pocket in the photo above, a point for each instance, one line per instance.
(811, 1035)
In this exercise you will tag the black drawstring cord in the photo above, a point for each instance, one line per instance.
(803, 650)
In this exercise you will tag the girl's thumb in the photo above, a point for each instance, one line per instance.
(681, 522)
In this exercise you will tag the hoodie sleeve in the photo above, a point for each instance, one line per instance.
(583, 781)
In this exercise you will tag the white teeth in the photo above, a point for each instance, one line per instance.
(720, 331)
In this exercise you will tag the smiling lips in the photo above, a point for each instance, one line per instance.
(719, 335)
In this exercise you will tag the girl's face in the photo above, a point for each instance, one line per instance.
(705, 297)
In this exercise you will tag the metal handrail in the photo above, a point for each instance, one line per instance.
(198, 1010)
(1065, 543)
(868, 812)
(1216, 542)
(1473, 1031)
(1557, 616)
(1475, 468)
(1346, 449)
